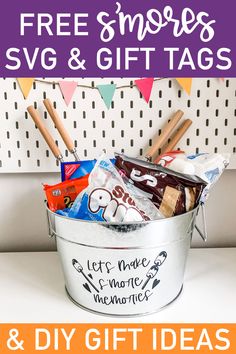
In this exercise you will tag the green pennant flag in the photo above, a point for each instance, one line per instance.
(107, 92)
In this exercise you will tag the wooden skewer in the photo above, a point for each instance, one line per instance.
(161, 140)
(60, 127)
(177, 136)
(45, 133)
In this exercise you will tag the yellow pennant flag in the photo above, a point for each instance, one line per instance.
(185, 83)
(26, 84)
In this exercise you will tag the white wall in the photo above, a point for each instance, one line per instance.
(23, 225)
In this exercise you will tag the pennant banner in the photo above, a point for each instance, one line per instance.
(107, 93)
(26, 84)
(145, 87)
(67, 89)
(185, 83)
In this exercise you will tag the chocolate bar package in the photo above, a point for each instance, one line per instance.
(172, 193)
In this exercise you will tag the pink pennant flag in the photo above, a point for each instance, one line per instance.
(145, 87)
(67, 89)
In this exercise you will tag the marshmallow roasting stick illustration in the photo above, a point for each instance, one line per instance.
(60, 127)
(155, 267)
(79, 269)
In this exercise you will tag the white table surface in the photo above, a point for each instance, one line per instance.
(32, 290)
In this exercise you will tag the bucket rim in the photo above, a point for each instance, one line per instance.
(93, 222)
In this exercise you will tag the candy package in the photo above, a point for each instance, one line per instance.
(107, 198)
(77, 169)
(172, 193)
(62, 195)
(208, 167)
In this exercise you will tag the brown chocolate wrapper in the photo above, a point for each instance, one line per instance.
(172, 193)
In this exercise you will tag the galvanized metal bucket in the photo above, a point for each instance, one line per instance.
(123, 269)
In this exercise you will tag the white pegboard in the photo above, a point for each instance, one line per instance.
(128, 126)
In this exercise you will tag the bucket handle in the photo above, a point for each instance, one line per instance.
(51, 232)
(202, 233)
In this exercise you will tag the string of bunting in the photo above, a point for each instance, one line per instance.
(106, 91)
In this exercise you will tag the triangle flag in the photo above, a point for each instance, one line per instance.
(185, 83)
(26, 84)
(67, 89)
(107, 93)
(145, 87)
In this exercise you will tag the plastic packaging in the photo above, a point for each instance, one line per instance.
(172, 193)
(62, 195)
(77, 169)
(107, 198)
(208, 167)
